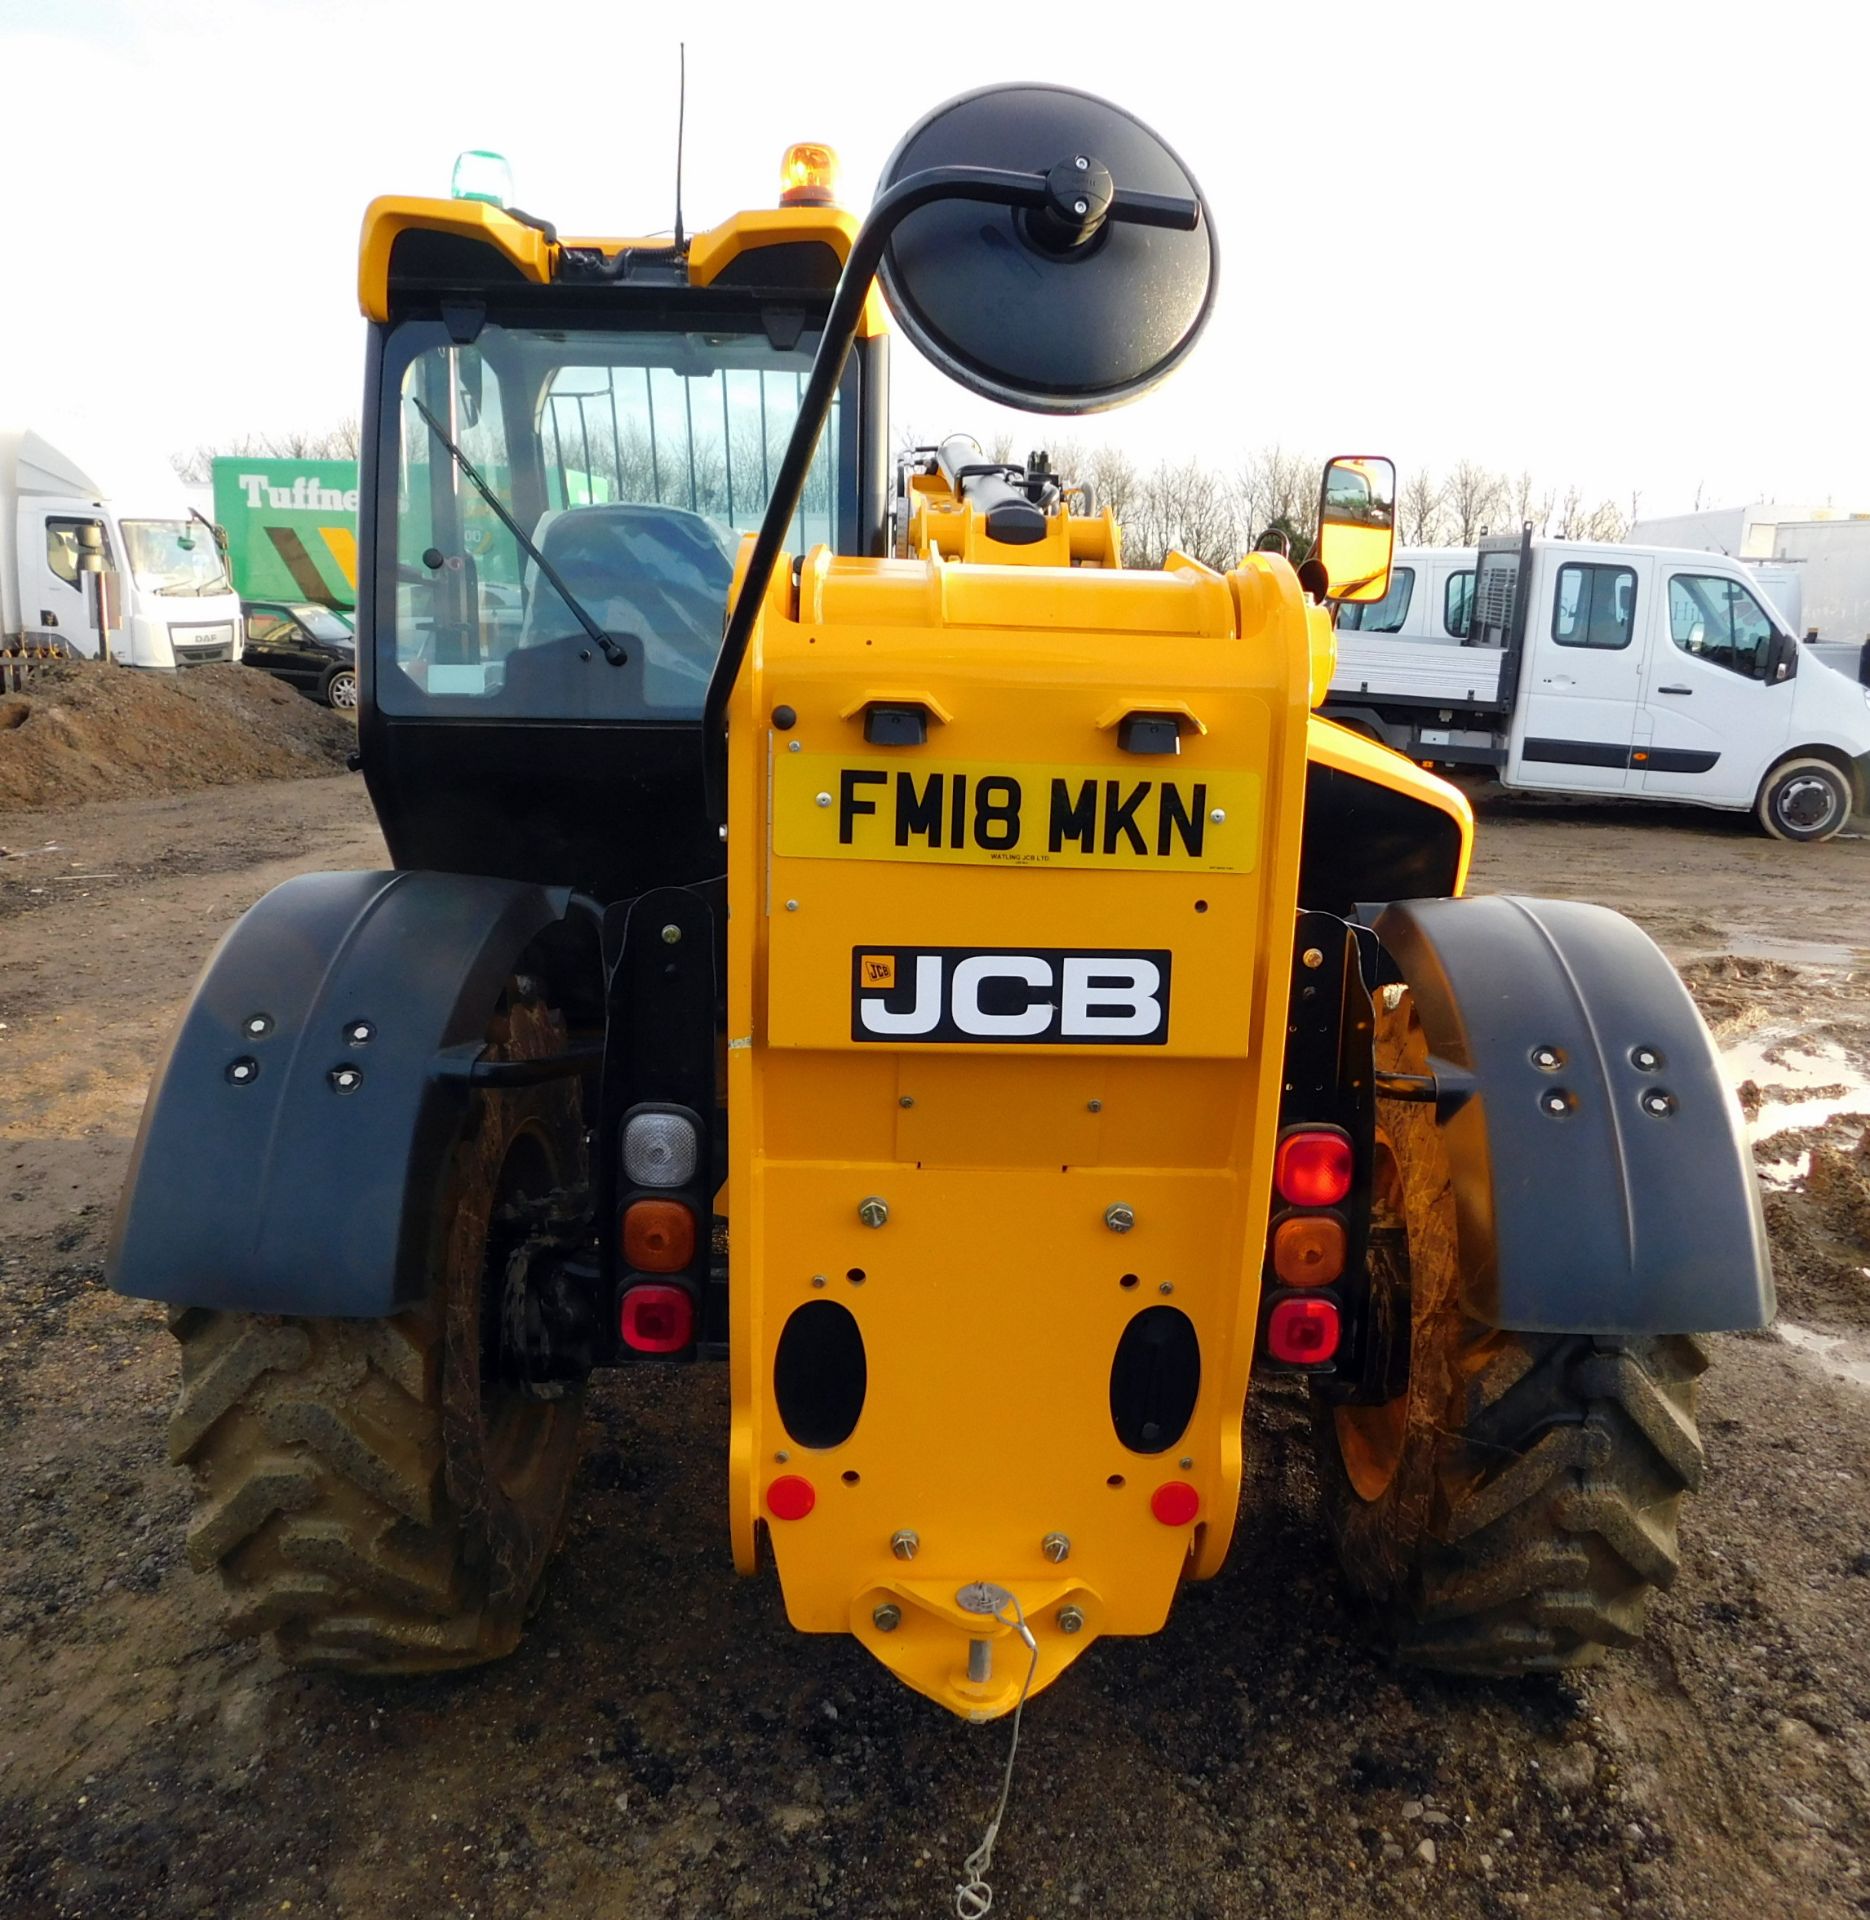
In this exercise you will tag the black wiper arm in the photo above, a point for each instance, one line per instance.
(611, 651)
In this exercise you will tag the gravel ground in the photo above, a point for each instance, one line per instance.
(664, 1744)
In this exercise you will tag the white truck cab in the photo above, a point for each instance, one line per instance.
(1650, 672)
(172, 602)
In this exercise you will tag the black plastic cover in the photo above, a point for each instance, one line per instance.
(1602, 1182)
(1050, 328)
(293, 1146)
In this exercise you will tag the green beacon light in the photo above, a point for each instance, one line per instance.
(481, 175)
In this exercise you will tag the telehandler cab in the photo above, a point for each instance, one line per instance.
(1075, 1021)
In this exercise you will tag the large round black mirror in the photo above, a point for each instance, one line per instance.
(1020, 310)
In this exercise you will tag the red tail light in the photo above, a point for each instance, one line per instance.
(656, 1319)
(1313, 1168)
(1303, 1333)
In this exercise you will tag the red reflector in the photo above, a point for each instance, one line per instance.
(1303, 1333)
(656, 1319)
(790, 1497)
(1175, 1503)
(658, 1236)
(1313, 1169)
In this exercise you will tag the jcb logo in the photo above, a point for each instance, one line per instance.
(1040, 996)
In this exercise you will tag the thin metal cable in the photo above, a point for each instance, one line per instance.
(973, 1897)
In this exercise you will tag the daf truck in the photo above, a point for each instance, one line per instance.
(171, 602)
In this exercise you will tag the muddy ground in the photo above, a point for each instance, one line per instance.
(663, 1744)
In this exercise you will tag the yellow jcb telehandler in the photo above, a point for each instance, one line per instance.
(1067, 1022)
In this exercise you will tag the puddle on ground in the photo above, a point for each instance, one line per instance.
(1830, 1082)
(1796, 953)
(1841, 1358)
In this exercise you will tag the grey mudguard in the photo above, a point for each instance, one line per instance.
(1605, 1217)
(264, 1177)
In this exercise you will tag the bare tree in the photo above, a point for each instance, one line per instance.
(341, 442)
(1420, 509)
(1475, 498)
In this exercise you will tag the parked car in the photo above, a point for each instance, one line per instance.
(309, 646)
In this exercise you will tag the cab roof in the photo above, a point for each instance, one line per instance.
(423, 247)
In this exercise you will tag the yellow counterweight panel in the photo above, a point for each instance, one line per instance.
(865, 1066)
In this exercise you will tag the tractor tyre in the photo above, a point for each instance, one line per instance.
(372, 1495)
(1513, 1506)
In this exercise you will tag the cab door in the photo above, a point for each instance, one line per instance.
(55, 597)
(1716, 721)
(1582, 681)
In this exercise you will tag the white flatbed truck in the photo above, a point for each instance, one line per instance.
(1648, 672)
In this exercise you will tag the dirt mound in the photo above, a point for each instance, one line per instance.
(85, 731)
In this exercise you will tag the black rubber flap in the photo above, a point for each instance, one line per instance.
(1029, 325)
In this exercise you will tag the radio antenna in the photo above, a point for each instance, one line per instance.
(681, 117)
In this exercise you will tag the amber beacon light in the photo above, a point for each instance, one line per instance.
(808, 176)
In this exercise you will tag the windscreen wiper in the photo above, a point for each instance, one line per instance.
(609, 648)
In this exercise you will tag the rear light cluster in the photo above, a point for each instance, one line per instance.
(659, 1231)
(1313, 1171)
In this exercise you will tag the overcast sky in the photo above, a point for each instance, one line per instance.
(1621, 245)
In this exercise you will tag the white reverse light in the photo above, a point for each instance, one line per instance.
(659, 1150)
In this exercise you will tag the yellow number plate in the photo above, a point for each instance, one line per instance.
(1150, 817)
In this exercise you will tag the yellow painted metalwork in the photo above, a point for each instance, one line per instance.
(536, 258)
(1334, 746)
(392, 215)
(992, 1299)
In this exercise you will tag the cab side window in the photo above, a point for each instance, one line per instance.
(1596, 606)
(1381, 616)
(1457, 604)
(61, 549)
(1716, 619)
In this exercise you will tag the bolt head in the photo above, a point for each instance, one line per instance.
(1167, 1286)
(1056, 1547)
(1219, 816)
(904, 1543)
(259, 1024)
(722, 831)
(1079, 207)
(792, 746)
(672, 936)
(1646, 1059)
(1555, 1102)
(824, 799)
(360, 1033)
(792, 906)
(818, 1280)
(887, 1618)
(1082, 162)
(906, 1100)
(1094, 1106)
(1119, 1218)
(873, 1212)
(1312, 957)
(1070, 1620)
(1546, 1058)
(346, 1079)
(1657, 1102)
(241, 1071)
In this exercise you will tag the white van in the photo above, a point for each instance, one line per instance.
(1430, 597)
(169, 590)
(1653, 672)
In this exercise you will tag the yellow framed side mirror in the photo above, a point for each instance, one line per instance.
(1357, 526)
